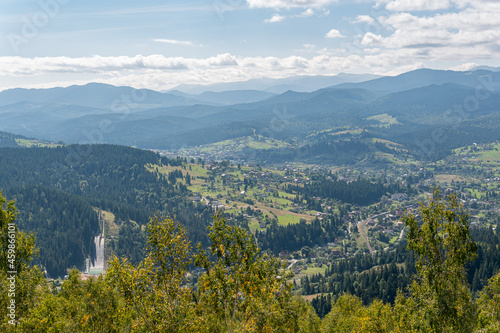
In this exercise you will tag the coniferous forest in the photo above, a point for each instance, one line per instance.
(57, 188)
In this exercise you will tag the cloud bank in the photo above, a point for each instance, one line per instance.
(394, 37)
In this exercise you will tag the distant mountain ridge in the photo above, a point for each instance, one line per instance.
(424, 77)
(99, 113)
(227, 97)
(305, 83)
(96, 95)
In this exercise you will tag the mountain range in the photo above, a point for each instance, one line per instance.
(97, 113)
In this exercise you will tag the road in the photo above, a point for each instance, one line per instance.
(293, 261)
(401, 233)
(362, 231)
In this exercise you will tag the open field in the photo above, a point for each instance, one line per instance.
(235, 145)
(352, 131)
(35, 143)
(385, 119)
(228, 185)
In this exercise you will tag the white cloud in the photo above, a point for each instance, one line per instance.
(464, 67)
(275, 19)
(462, 29)
(225, 59)
(371, 39)
(159, 72)
(289, 3)
(415, 5)
(334, 33)
(172, 41)
(306, 13)
(363, 19)
(468, 35)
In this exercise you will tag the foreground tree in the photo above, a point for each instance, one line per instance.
(154, 290)
(440, 296)
(81, 306)
(242, 290)
(349, 315)
(489, 306)
(19, 281)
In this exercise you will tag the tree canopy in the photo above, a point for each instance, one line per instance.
(230, 286)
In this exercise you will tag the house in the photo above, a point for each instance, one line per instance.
(399, 196)
(284, 254)
(218, 206)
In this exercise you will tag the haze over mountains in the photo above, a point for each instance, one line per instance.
(99, 113)
(278, 86)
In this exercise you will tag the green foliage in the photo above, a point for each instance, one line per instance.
(130, 243)
(489, 306)
(8, 140)
(64, 224)
(243, 290)
(349, 315)
(81, 306)
(361, 191)
(17, 249)
(308, 320)
(443, 246)
(294, 237)
(154, 289)
(367, 276)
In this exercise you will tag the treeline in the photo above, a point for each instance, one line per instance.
(130, 242)
(95, 171)
(7, 140)
(293, 237)
(360, 191)
(64, 225)
(487, 262)
(238, 289)
(366, 276)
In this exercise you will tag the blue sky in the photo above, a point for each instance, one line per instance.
(161, 44)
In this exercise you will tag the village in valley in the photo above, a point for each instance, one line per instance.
(256, 197)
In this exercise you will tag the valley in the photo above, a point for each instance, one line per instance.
(298, 166)
(322, 180)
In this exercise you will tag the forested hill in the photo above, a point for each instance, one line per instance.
(7, 140)
(57, 188)
(360, 191)
(64, 225)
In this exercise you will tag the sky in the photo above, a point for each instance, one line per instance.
(161, 44)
